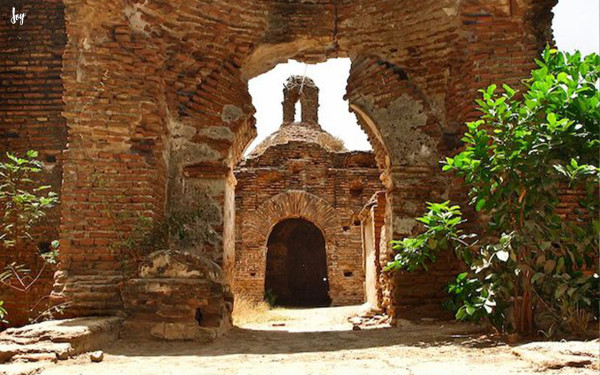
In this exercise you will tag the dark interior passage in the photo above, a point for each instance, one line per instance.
(297, 265)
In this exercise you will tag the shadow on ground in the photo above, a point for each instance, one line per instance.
(249, 341)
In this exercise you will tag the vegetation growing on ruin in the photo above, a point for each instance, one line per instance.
(534, 268)
(23, 203)
(183, 229)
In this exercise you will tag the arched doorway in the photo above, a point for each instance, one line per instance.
(296, 273)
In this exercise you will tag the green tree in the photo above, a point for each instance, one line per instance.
(519, 158)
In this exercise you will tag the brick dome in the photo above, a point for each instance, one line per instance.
(300, 132)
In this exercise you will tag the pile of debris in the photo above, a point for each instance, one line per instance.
(369, 317)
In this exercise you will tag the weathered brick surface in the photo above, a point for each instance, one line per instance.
(301, 171)
(310, 185)
(155, 106)
(31, 93)
(372, 218)
(177, 296)
(114, 167)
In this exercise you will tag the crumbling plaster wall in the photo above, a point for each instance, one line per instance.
(131, 68)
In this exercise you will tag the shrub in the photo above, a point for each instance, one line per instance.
(518, 158)
(2, 312)
(23, 203)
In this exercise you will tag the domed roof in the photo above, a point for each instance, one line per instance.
(308, 130)
(300, 132)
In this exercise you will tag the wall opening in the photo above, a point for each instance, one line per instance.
(298, 113)
(331, 77)
(296, 273)
(584, 37)
(308, 141)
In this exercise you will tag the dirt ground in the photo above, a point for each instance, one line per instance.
(321, 341)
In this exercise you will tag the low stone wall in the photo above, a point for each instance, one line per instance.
(177, 296)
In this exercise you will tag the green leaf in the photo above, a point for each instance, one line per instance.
(536, 277)
(508, 90)
(562, 77)
(551, 119)
(480, 204)
(560, 264)
(560, 290)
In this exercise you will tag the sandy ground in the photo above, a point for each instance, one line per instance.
(321, 341)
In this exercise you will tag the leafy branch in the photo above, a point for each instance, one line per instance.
(519, 158)
(23, 204)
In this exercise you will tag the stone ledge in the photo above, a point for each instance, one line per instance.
(58, 338)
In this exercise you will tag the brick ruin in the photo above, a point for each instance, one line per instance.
(141, 107)
(301, 171)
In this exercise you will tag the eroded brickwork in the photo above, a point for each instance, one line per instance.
(301, 171)
(31, 103)
(177, 296)
(374, 245)
(155, 106)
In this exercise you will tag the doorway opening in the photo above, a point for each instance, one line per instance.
(299, 190)
(331, 77)
(296, 273)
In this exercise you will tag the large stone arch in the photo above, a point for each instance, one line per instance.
(259, 224)
(404, 121)
(146, 85)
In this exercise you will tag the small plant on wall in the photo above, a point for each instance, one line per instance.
(534, 268)
(188, 228)
(23, 203)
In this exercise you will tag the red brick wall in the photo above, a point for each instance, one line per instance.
(31, 93)
(344, 181)
(114, 168)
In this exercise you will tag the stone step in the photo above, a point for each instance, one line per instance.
(58, 338)
(28, 352)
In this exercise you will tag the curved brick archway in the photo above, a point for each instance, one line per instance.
(259, 225)
(293, 204)
(407, 135)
